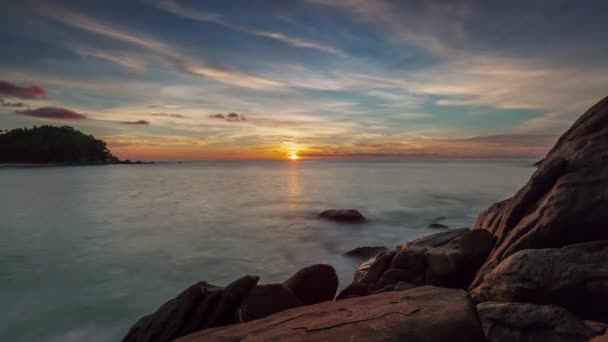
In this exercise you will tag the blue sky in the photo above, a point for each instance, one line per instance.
(321, 78)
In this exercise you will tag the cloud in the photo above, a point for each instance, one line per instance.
(179, 59)
(231, 117)
(168, 115)
(137, 122)
(53, 113)
(32, 92)
(131, 63)
(191, 13)
(13, 104)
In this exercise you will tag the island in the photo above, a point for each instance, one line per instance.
(51, 145)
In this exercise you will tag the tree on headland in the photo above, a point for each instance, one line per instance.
(50, 144)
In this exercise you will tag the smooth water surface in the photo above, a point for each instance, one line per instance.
(86, 251)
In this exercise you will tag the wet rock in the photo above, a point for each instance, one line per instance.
(438, 226)
(421, 314)
(198, 307)
(314, 284)
(265, 300)
(529, 322)
(365, 252)
(565, 200)
(343, 215)
(574, 277)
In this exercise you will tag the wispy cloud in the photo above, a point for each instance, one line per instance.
(169, 115)
(173, 55)
(53, 113)
(172, 6)
(136, 65)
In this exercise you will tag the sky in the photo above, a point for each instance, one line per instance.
(181, 80)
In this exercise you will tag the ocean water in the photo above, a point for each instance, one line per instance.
(86, 251)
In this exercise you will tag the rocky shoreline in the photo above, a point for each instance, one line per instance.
(534, 268)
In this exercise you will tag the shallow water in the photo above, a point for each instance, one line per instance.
(86, 251)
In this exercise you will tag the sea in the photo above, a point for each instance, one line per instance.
(86, 251)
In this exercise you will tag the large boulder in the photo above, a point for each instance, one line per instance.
(314, 284)
(574, 277)
(421, 314)
(565, 200)
(449, 259)
(343, 215)
(522, 322)
(265, 300)
(198, 307)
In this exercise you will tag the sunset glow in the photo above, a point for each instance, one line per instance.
(293, 156)
(231, 81)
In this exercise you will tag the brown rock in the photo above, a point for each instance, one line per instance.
(314, 284)
(200, 306)
(565, 200)
(265, 300)
(421, 314)
(574, 277)
(520, 322)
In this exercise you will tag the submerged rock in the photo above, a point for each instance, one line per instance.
(343, 215)
(314, 284)
(520, 322)
(365, 252)
(575, 277)
(438, 226)
(565, 200)
(421, 314)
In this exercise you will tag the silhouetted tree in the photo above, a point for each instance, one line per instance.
(50, 144)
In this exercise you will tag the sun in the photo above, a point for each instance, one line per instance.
(293, 156)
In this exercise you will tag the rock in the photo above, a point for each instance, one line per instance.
(477, 244)
(529, 322)
(574, 277)
(403, 286)
(365, 252)
(362, 270)
(449, 259)
(198, 307)
(444, 267)
(449, 239)
(314, 284)
(343, 215)
(265, 300)
(598, 328)
(413, 261)
(565, 200)
(421, 314)
(354, 290)
(377, 268)
(438, 226)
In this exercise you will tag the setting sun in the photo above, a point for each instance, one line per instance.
(293, 156)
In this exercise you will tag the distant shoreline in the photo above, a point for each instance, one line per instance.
(126, 162)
